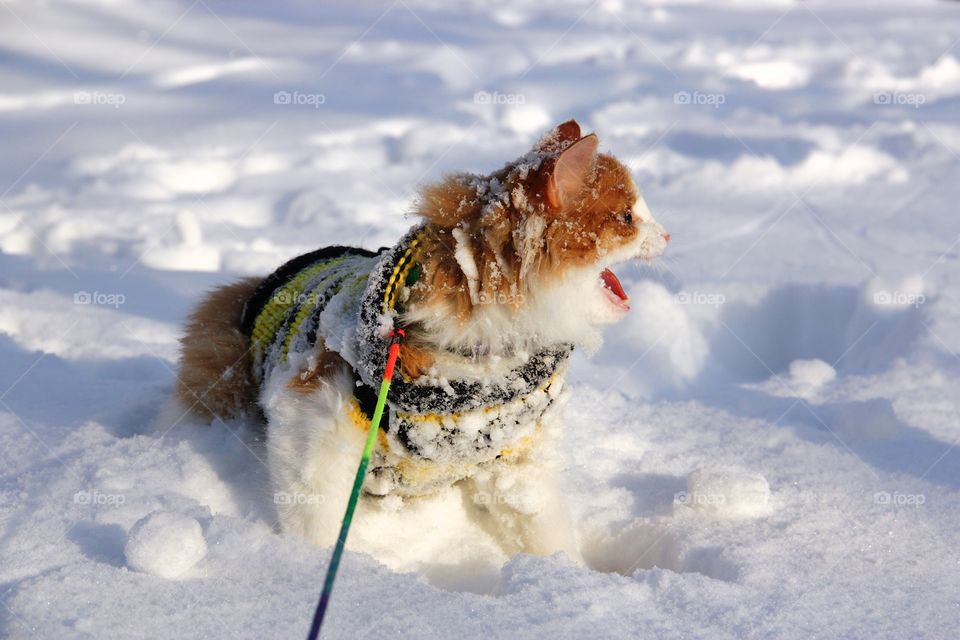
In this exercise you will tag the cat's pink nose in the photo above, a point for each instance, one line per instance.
(666, 237)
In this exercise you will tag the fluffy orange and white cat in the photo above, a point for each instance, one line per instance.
(502, 277)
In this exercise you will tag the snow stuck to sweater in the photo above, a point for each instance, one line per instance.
(763, 448)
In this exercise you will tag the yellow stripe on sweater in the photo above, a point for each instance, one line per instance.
(399, 275)
(274, 312)
(304, 311)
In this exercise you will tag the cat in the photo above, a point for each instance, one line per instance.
(501, 278)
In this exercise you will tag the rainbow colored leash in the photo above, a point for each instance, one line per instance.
(396, 336)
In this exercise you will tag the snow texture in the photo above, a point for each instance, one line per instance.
(765, 447)
(165, 544)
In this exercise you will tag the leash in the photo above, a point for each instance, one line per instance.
(396, 336)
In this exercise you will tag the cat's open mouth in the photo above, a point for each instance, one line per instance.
(614, 290)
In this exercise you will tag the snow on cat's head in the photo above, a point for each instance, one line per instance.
(521, 257)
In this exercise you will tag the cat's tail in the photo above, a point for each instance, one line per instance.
(216, 373)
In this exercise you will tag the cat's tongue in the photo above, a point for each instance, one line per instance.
(613, 289)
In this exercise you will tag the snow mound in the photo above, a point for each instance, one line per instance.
(165, 544)
(814, 372)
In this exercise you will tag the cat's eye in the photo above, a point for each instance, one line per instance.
(627, 217)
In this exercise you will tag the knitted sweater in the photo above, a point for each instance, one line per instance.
(437, 430)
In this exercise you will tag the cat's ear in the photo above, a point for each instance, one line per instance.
(568, 131)
(560, 136)
(571, 171)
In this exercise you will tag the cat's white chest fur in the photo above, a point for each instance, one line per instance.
(313, 448)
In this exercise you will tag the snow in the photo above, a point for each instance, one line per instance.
(166, 544)
(467, 262)
(765, 447)
(726, 492)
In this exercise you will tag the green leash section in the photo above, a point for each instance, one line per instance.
(395, 337)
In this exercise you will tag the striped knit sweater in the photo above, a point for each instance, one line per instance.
(437, 430)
